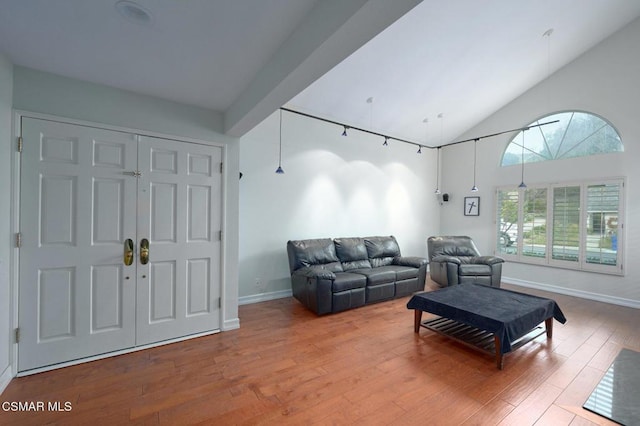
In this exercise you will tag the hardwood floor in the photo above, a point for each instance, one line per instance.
(366, 366)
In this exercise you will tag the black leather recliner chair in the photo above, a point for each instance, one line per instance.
(456, 259)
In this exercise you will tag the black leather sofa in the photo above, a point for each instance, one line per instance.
(333, 275)
(455, 259)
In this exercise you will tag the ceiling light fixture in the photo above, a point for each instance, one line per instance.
(419, 149)
(279, 169)
(344, 132)
(133, 12)
(474, 188)
(386, 141)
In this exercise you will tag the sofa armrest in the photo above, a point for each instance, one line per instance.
(317, 272)
(412, 261)
(445, 259)
(487, 260)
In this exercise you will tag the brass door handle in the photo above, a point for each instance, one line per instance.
(128, 251)
(144, 251)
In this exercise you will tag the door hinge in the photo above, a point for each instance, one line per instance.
(18, 239)
(19, 143)
(221, 167)
(219, 302)
(17, 335)
(220, 235)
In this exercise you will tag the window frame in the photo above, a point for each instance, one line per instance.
(518, 136)
(581, 264)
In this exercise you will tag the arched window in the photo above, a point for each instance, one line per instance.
(576, 134)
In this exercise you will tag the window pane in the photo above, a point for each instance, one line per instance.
(508, 219)
(603, 203)
(534, 232)
(566, 223)
(575, 134)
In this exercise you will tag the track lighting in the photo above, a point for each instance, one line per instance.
(279, 169)
(344, 132)
(419, 149)
(386, 141)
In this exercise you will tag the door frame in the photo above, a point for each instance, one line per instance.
(14, 261)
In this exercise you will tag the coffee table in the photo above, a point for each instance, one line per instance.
(491, 319)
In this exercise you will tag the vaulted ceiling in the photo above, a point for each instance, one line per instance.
(412, 59)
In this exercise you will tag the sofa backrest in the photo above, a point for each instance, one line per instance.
(382, 250)
(304, 253)
(352, 252)
(342, 254)
(459, 246)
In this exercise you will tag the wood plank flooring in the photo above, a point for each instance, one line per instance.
(366, 366)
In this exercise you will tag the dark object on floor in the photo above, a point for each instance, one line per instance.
(456, 259)
(506, 314)
(334, 275)
(617, 396)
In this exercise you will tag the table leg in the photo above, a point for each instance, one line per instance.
(548, 323)
(496, 341)
(417, 319)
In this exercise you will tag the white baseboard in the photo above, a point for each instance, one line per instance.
(231, 324)
(5, 378)
(263, 297)
(572, 292)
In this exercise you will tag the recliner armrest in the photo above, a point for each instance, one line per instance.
(444, 258)
(412, 261)
(487, 260)
(315, 272)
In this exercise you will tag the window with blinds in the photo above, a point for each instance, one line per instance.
(576, 225)
(534, 223)
(601, 226)
(566, 224)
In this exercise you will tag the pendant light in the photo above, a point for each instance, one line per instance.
(437, 191)
(522, 184)
(279, 169)
(474, 188)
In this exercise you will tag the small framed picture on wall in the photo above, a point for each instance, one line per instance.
(472, 206)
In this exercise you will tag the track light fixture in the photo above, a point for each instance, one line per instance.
(344, 132)
(419, 149)
(279, 170)
(386, 141)
(474, 188)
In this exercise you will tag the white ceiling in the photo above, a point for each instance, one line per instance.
(245, 58)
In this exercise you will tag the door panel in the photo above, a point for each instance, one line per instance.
(74, 298)
(178, 213)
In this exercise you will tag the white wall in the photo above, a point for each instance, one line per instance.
(333, 186)
(6, 95)
(604, 81)
(41, 92)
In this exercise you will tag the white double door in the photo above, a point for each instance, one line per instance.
(120, 241)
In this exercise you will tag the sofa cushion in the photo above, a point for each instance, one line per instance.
(381, 250)
(376, 276)
(474, 269)
(348, 281)
(382, 246)
(352, 253)
(403, 272)
(303, 253)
